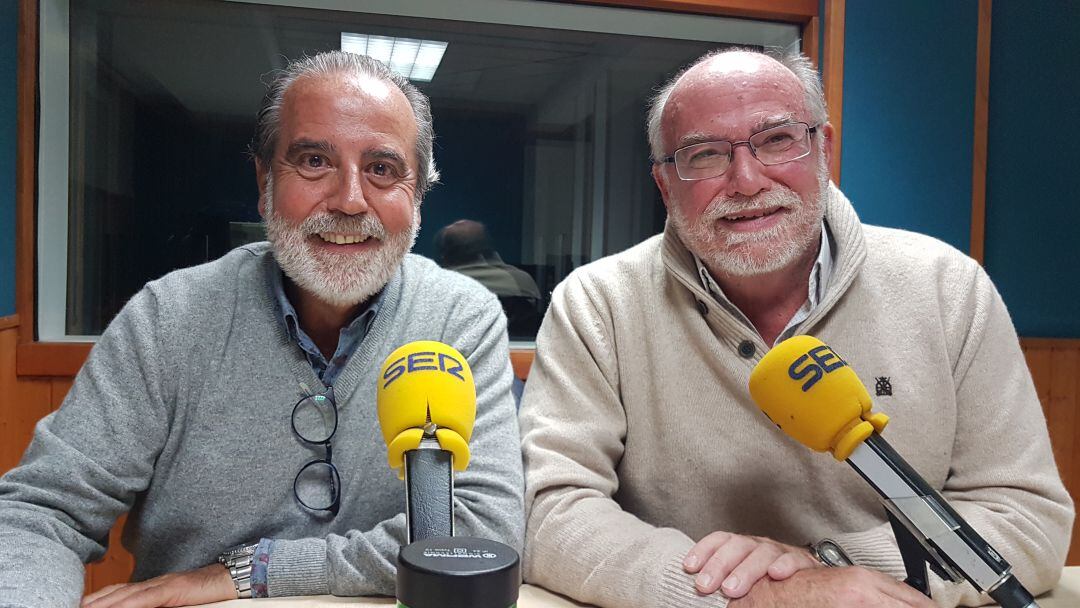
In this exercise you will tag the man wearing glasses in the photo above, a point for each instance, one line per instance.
(230, 408)
(644, 451)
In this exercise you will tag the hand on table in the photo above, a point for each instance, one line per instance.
(202, 586)
(732, 563)
(852, 587)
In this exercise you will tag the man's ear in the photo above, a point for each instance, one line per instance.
(827, 135)
(661, 181)
(260, 182)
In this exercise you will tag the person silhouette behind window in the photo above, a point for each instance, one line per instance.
(464, 246)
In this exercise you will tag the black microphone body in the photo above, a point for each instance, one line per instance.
(929, 531)
(429, 492)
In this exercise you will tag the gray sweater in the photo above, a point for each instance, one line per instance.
(181, 415)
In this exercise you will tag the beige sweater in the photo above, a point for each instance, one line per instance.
(640, 436)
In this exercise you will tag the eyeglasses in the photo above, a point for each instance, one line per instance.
(314, 420)
(773, 146)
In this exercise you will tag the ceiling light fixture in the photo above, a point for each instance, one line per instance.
(412, 58)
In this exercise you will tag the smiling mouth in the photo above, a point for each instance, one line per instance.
(342, 239)
(747, 215)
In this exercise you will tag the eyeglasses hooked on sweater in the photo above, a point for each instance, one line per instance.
(314, 420)
(773, 146)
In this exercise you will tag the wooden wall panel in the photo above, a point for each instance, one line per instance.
(833, 80)
(23, 401)
(1061, 408)
(58, 388)
(1055, 368)
(982, 122)
(521, 360)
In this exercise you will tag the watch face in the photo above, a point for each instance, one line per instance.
(832, 554)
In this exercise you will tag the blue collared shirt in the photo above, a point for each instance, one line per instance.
(349, 337)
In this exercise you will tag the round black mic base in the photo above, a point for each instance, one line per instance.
(458, 572)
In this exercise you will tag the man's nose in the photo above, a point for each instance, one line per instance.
(745, 175)
(349, 198)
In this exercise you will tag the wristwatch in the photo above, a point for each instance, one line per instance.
(238, 561)
(829, 553)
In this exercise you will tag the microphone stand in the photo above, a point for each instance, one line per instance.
(929, 532)
(436, 569)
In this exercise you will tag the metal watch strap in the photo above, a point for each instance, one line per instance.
(238, 562)
(829, 553)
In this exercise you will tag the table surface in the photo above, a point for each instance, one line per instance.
(1065, 595)
(530, 597)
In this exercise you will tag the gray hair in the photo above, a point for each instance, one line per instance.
(791, 59)
(330, 63)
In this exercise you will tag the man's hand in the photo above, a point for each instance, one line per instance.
(852, 587)
(733, 562)
(203, 586)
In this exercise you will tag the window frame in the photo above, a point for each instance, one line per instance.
(56, 358)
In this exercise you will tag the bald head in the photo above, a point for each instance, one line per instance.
(463, 242)
(728, 72)
(739, 67)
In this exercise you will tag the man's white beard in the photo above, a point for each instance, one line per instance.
(744, 254)
(339, 279)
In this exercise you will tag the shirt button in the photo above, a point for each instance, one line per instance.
(702, 308)
(747, 349)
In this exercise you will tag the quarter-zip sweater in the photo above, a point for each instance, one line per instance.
(640, 436)
(181, 416)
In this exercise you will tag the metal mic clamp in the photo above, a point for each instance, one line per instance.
(1008, 593)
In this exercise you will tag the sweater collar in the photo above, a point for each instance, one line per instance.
(849, 251)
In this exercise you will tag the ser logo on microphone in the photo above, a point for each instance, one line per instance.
(817, 362)
(423, 361)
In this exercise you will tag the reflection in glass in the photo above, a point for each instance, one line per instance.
(464, 246)
(539, 136)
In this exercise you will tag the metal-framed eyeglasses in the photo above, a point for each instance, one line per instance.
(314, 420)
(772, 146)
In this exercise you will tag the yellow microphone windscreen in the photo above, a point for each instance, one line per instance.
(421, 381)
(814, 396)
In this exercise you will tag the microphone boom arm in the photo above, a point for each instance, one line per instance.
(929, 532)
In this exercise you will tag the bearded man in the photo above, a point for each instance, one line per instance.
(230, 407)
(652, 478)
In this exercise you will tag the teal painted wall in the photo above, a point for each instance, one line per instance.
(909, 85)
(9, 24)
(1033, 205)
